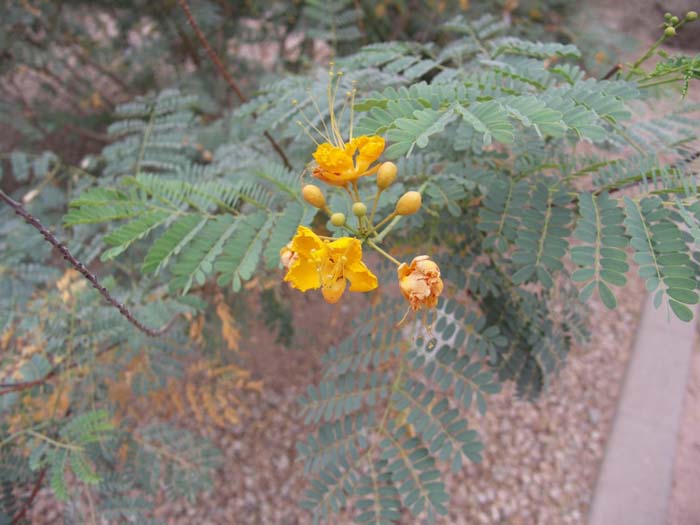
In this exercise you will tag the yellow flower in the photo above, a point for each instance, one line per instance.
(339, 165)
(327, 265)
(420, 282)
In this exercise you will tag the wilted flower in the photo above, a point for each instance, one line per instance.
(420, 282)
(287, 256)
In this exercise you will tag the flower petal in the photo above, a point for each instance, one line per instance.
(330, 158)
(303, 274)
(360, 277)
(332, 291)
(346, 249)
(307, 244)
(370, 148)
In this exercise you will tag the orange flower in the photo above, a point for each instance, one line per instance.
(420, 282)
(339, 165)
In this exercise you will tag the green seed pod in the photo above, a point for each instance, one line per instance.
(359, 209)
(338, 219)
(409, 203)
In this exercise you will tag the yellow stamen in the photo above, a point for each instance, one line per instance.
(301, 125)
(352, 107)
(327, 135)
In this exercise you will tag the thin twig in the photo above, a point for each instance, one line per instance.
(25, 508)
(80, 267)
(16, 387)
(87, 59)
(613, 70)
(227, 76)
(89, 134)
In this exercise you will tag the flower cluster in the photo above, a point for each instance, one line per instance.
(313, 261)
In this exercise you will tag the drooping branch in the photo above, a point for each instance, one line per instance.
(227, 76)
(80, 267)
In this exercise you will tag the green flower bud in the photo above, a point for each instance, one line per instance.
(670, 31)
(673, 20)
(691, 16)
(359, 209)
(338, 219)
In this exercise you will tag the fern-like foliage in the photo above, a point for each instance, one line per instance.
(187, 195)
(219, 223)
(601, 258)
(335, 22)
(383, 434)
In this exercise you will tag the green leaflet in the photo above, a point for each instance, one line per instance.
(602, 261)
(661, 253)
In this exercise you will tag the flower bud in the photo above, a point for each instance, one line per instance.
(359, 209)
(667, 16)
(673, 20)
(313, 195)
(691, 16)
(386, 175)
(409, 203)
(338, 219)
(670, 31)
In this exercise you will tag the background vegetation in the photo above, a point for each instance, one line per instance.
(159, 142)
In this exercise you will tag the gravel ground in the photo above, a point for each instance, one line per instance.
(539, 467)
(540, 463)
(684, 505)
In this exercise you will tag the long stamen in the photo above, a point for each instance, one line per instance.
(321, 118)
(311, 124)
(343, 108)
(301, 125)
(352, 107)
(397, 325)
(335, 127)
(331, 108)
